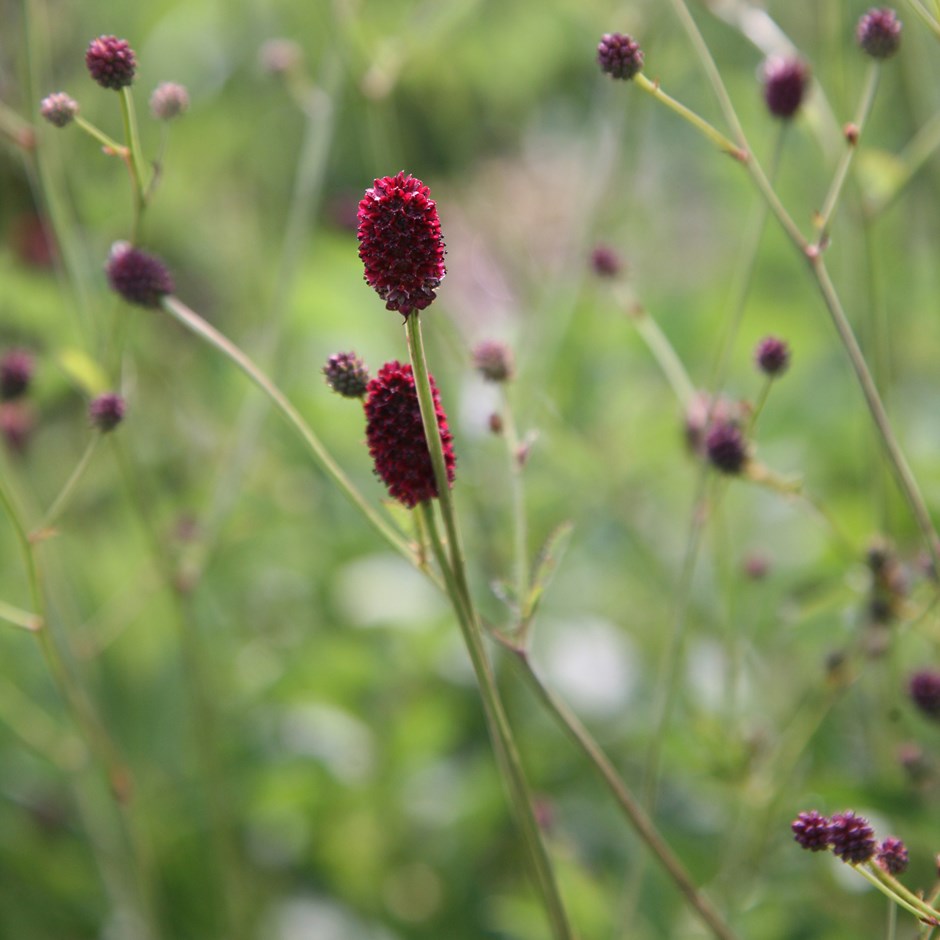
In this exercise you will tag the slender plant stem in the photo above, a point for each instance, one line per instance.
(520, 535)
(932, 22)
(134, 159)
(85, 718)
(813, 257)
(503, 739)
(663, 352)
(630, 806)
(668, 685)
(903, 474)
(61, 501)
(20, 618)
(715, 136)
(195, 324)
(851, 148)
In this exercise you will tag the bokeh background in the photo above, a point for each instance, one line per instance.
(293, 703)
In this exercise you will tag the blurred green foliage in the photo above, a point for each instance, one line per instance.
(352, 774)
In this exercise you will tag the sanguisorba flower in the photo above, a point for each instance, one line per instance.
(395, 435)
(785, 84)
(811, 830)
(106, 411)
(400, 242)
(111, 62)
(139, 278)
(852, 838)
(620, 56)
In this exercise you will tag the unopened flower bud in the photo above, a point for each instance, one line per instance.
(59, 109)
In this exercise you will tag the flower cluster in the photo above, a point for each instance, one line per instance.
(879, 33)
(785, 82)
(16, 373)
(395, 435)
(924, 689)
(850, 837)
(139, 278)
(400, 242)
(493, 360)
(619, 55)
(346, 374)
(59, 109)
(106, 412)
(772, 356)
(111, 62)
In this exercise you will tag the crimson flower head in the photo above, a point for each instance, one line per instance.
(139, 278)
(619, 55)
(111, 62)
(879, 33)
(785, 84)
(400, 242)
(852, 838)
(106, 411)
(395, 435)
(811, 830)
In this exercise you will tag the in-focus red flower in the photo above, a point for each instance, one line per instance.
(400, 242)
(111, 62)
(395, 435)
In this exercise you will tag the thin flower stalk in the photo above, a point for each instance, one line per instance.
(813, 257)
(501, 732)
(65, 494)
(197, 325)
(712, 133)
(20, 618)
(134, 158)
(630, 806)
(842, 170)
(929, 19)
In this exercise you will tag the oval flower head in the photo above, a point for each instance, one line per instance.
(400, 242)
(395, 435)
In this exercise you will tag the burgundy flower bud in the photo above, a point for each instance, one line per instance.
(811, 830)
(106, 412)
(169, 100)
(493, 361)
(346, 374)
(605, 261)
(139, 278)
(852, 838)
(879, 33)
(785, 84)
(620, 56)
(396, 435)
(924, 689)
(59, 108)
(725, 447)
(400, 242)
(892, 856)
(111, 62)
(772, 356)
(16, 373)
(17, 423)
(278, 56)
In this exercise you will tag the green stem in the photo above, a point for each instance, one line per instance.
(195, 324)
(851, 148)
(663, 352)
(60, 502)
(628, 803)
(893, 889)
(926, 16)
(812, 255)
(135, 158)
(903, 475)
(109, 143)
(500, 730)
(20, 618)
(520, 538)
(714, 135)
